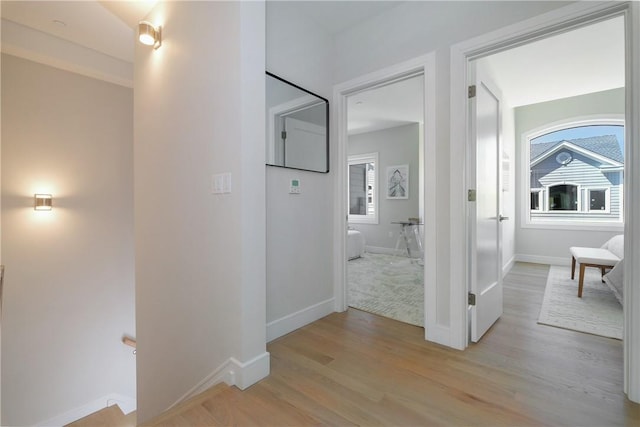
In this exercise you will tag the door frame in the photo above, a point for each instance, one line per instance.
(424, 65)
(560, 20)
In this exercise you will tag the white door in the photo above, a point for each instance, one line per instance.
(305, 142)
(486, 247)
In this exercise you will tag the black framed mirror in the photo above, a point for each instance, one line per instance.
(297, 127)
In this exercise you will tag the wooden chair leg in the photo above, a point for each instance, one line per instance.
(581, 281)
(573, 267)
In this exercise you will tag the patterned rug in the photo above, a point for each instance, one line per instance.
(598, 312)
(391, 286)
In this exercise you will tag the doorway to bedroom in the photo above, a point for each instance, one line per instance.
(562, 161)
(385, 176)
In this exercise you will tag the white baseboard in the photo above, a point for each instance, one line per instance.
(385, 251)
(231, 372)
(293, 321)
(219, 375)
(508, 266)
(538, 259)
(126, 404)
(248, 373)
(439, 335)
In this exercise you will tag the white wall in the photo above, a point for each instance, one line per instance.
(299, 227)
(395, 146)
(69, 285)
(200, 257)
(533, 243)
(412, 29)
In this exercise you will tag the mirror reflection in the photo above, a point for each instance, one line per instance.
(297, 127)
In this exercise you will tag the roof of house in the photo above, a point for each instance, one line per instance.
(605, 145)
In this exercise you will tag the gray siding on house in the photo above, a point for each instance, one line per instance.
(584, 172)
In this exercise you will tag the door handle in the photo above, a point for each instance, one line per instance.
(502, 218)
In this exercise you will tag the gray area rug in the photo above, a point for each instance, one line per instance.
(598, 312)
(391, 286)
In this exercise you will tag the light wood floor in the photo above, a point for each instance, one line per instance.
(355, 368)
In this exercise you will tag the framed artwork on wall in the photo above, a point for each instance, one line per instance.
(398, 182)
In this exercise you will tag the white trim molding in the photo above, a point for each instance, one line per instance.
(587, 224)
(231, 372)
(540, 259)
(568, 17)
(126, 404)
(425, 66)
(293, 321)
(246, 374)
(632, 208)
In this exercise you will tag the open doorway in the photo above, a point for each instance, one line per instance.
(423, 66)
(562, 161)
(385, 187)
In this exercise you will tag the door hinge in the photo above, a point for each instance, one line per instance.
(472, 91)
(471, 195)
(284, 134)
(472, 299)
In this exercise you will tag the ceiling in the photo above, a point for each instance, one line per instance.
(582, 61)
(388, 106)
(338, 16)
(103, 26)
(586, 60)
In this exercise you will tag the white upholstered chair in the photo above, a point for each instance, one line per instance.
(604, 258)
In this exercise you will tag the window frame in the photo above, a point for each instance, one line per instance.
(607, 199)
(524, 200)
(547, 194)
(540, 194)
(357, 159)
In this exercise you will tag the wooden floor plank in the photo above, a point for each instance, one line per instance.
(355, 368)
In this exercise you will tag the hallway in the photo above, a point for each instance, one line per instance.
(357, 368)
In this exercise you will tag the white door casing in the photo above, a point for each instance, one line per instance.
(435, 329)
(562, 19)
(485, 229)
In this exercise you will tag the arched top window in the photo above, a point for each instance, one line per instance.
(573, 173)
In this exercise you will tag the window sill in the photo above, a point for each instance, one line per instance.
(362, 220)
(575, 226)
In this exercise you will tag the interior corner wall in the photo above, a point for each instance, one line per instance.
(200, 257)
(412, 29)
(299, 226)
(69, 282)
(532, 242)
(395, 146)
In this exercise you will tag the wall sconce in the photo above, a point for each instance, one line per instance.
(42, 202)
(149, 35)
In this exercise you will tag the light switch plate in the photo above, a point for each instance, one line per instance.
(221, 183)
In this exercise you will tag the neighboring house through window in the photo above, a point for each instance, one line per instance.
(575, 174)
(363, 188)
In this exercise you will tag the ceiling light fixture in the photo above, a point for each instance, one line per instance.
(149, 35)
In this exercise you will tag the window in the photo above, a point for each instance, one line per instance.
(598, 200)
(574, 175)
(563, 197)
(363, 191)
(535, 199)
